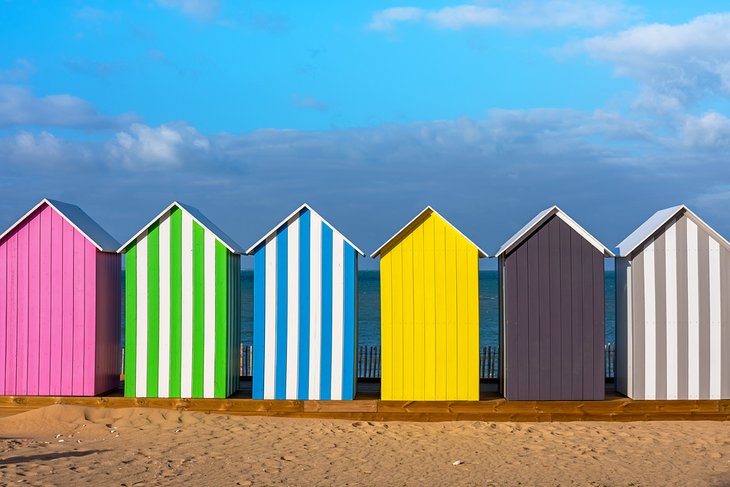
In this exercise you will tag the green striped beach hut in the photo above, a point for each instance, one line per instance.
(182, 308)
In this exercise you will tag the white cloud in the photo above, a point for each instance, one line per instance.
(198, 9)
(163, 147)
(711, 129)
(551, 14)
(20, 71)
(43, 150)
(677, 64)
(19, 107)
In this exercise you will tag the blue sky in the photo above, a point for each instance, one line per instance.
(487, 110)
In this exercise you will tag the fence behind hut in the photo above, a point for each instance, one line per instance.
(369, 361)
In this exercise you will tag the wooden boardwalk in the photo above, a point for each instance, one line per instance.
(614, 408)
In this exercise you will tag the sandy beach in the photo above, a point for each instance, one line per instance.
(73, 445)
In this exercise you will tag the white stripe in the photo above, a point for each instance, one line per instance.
(164, 371)
(292, 310)
(270, 321)
(186, 343)
(715, 321)
(672, 348)
(649, 322)
(315, 305)
(142, 315)
(209, 315)
(338, 313)
(693, 314)
(629, 333)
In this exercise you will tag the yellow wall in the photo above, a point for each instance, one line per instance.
(430, 314)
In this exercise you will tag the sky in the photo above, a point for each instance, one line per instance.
(489, 111)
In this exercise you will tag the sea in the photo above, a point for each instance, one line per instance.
(368, 286)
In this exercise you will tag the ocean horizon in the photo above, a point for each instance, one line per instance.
(368, 323)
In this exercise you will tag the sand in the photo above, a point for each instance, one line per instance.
(74, 445)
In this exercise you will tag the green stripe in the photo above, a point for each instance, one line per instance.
(221, 328)
(130, 342)
(153, 309)
(198, 308)
(175, 301)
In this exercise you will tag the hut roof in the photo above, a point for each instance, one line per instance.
(414, 222)
(201, 219)
(78, 219)
(654, 223)
(541, 218)
(291, 216)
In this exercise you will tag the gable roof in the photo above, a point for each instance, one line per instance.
(426, 211)
(292, 215)
(654, 223)
(197, 216)
(78, 219)
(541, 218)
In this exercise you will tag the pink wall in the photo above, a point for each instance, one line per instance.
(109, 317)
(48, 309)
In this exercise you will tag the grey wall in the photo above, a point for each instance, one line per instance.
(673, 313)
(553, 317)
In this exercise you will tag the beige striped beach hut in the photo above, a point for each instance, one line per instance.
(673, 309)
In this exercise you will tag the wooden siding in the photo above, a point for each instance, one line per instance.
(430, 314)
(109, 320)
(553, 316)
(673, 307)
(305, 317)
(178, 323)
(48, 309)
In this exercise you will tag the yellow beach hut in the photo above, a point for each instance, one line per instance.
(429, 298)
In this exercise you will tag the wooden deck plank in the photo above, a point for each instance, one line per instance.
(494, 410)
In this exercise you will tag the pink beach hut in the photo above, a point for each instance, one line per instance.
(60, 304)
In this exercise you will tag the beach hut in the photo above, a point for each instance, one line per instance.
(552, 311)
(429, 298)
(673, 309)
(183, 308)
(305, 310)
(59, 304)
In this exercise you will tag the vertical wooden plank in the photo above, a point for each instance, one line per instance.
(587, 253)
(545, 323)
(554, 269)
(577, 321)
(462, 313)
(566, 312)
(90, 322)
(472, 366)
(440, 308)
(130, 316)
(198, 309)
(153, 310)
(4, 291)
(599, 327)
(68, 311)
(78, 324)
(523, 320)
(175, 301)
(682, 309)
(386, 326)
(660, 272)
(452, 317)
(408, 325)
(44, 336)
(637, 319)
(429, 317)
(398, 318)
(21, 374)
(512, 345)
(56, 364)
(419, 339)
(12, 314)
(533, 303)
(34, 262)
(703, 345)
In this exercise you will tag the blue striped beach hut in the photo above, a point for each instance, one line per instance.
(305, 310)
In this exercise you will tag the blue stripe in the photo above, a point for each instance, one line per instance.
(304, 263)
(326, 367)
(282, 254)
(259, 321)
(350, 323)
